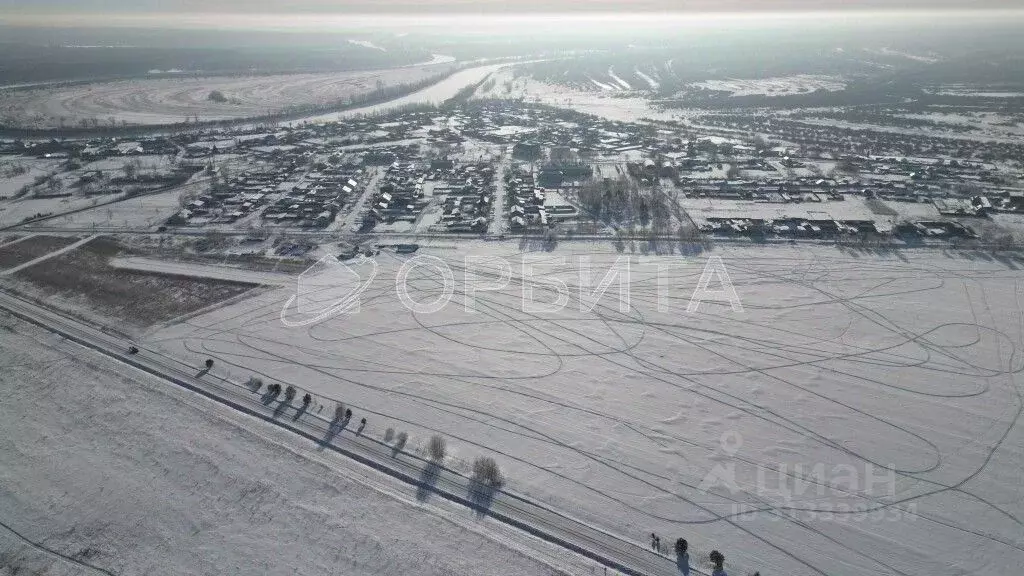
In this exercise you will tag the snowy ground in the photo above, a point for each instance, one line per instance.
(121, 472)
(860, 416)
(779, 86)
(1014, 223)
(11, 182)
(434, 94)
(914, 210)
(605, 103)
(15, 211)
(154, 265)
(853, 208)
(150, 210)
(163, 101)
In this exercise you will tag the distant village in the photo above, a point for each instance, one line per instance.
(497, 168)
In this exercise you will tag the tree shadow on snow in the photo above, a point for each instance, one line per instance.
(690, 249)
(281, 408)
(481, 496)
(1006, 261)
(683, 563)
(333, 430)
(426, 482)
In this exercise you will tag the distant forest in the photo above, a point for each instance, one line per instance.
(25, 61)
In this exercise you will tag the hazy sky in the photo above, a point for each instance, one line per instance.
(479, 16)
(24, 7)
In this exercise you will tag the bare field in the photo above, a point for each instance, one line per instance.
(165, 101)
(25, 251)
(138, 299)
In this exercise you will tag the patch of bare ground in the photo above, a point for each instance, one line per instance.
(28, 250)
(880, 208)
(139, 299)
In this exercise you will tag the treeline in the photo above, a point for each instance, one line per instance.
(27, 62)
(621, 202)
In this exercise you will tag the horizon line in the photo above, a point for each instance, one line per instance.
(304, 21)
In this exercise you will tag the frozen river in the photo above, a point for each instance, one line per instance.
(434, 94)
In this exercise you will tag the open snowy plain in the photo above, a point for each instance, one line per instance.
(172, 100)
(106, 470)
(860, 415)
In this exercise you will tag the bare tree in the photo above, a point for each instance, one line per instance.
(486, 470)
(436, 447)
(717, 559)
(389, 435)
(401, 440)
(848, 166)
(760, 143)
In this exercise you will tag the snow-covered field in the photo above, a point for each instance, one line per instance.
(163, 101)
(914, 210)
(143, 264)
(434, 94)
(973, 92)
(607, 102)
(1014, 223)
(133, 476)
(780, 86)
(11, 181)
(139, 212)
(15, 211)
(861, 415)
(853, 208)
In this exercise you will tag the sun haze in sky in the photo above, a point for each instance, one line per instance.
(481, 16)
(484, 6)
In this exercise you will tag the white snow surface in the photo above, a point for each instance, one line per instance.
(619, 81)
(651, 82)
(778, 86)
(135, 476)
(844, 369)
(366, 44)
(194, 270)
(606, 100)
(170, 100)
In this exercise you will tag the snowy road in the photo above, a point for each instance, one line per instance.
(499, 220)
